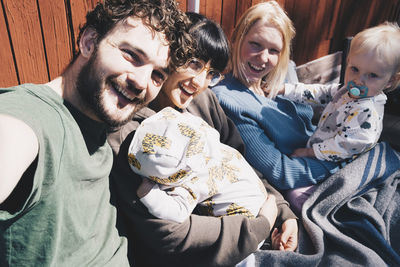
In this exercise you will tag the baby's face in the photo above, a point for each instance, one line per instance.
(369, 73)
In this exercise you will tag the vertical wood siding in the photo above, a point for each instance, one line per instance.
(38, 37)
(8, 73)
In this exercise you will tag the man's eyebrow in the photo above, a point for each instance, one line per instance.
(138, 50)
(144, 55)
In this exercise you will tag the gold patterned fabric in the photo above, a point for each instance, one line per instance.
(181, 152)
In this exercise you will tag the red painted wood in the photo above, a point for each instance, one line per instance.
(228, 19)
(26, 36)
(182, 4)
(241, 7)
(43, 33)
(57, 37)
(212, 9)
(79, 8)
(8, 73)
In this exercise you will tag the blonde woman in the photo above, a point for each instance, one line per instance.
(271, 126)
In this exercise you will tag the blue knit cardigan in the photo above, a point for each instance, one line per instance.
(271, 130)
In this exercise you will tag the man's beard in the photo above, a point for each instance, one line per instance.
(91, 86)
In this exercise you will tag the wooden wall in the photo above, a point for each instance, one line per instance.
(37, 37)
(321, 25)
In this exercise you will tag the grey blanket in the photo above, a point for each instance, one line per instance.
(352, 219)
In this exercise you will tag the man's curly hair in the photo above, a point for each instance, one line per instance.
(162, 16)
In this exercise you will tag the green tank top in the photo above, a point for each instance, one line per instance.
(62, 216)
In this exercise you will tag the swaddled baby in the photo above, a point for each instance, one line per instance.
(182, 155)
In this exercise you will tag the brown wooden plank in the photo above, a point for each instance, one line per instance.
(57, 38)
(351, 19)
(79, 8)
(395, 14)
(355, 13)
(8, 73)
(322, 49)
(321, 27)
(213, 9)
(324, 18)
(202, 7)
(301, 20)
(26, 36)
(255, 2)
(241, 7)
(339, 31)
(289, 7)
(317, 36)
(228, 16)
(393, 11)
(375, 10)
(282, 3)
(335, 17)
(182, 5)
(312, 32)
(383, 11)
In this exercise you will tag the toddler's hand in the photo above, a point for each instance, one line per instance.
(281, 90)
(269, 210)
(145, 187)
(303, 152)
(286, 240)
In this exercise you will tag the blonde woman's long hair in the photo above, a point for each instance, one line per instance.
(273, 14)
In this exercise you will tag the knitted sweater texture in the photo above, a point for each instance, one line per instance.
(271, 130)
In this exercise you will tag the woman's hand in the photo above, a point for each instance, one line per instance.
(286, 240)
(304, 152)
(145, 187)
(269, 210)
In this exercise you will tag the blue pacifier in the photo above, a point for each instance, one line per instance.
(358, 91)
(355, 91)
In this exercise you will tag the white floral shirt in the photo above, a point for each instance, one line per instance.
(190, 167)
(347, 126)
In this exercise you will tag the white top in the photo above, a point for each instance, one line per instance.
(183, 155)
(347, 126)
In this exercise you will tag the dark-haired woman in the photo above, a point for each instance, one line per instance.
(200, 240)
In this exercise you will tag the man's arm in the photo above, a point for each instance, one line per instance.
(18, 149)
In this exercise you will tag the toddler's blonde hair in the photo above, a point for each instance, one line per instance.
(384, 41)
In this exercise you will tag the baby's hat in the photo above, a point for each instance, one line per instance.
(170, 147)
